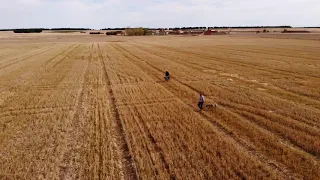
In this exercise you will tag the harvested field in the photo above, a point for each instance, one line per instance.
(302, 36)
(95, 107)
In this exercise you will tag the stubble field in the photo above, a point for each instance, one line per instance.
(93, 107)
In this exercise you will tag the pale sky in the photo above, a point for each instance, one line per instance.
(156, 13)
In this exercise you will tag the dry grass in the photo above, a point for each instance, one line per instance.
(74, 108)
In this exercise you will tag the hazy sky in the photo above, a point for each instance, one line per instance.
(157, 13)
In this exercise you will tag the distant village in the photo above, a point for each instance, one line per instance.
(197, 31)
(191, 31)
(161, 32)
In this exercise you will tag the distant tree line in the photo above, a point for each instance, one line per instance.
(27, 30)
(6, 29)
(310, 27)
(184, 28)
(114, 29)
(154, 29)
(69, 29)
(137, 31)
(203, 27)
(145, 31)
(247, 27)
(217, 27)
(176, 28)
(31, 30)
(37, 30)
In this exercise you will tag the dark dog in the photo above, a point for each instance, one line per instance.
(212, 106)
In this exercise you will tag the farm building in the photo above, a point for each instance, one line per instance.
(173, 32)
(210, 32)
(159, 32)
(178, 32)
(195, 32)
(162, 32)
(214, 32)
(119, 33)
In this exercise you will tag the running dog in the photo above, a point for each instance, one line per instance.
(212, 106)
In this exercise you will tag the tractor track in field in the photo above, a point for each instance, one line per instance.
(284, 137)
(43, 66)
(265, 53)
(190, 87)
(232, 62)
(130, 167)
(40, 76)
(61, 60)
(198, 67)
(30, 56)
(221, 59)
(264, 60)
(188, 64)
(305, 98)
(65, 170)
(66, 163)
(251, 50)
(155, 145)
(275, 166)
(147, 103)
(9, 53)
(59, 54)
(263, 113)
(29, 88)
(19, 50)
(15, 51)
(146, 133)
(255, 52)
(283, 141)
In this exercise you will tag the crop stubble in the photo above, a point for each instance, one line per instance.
(102, 111)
